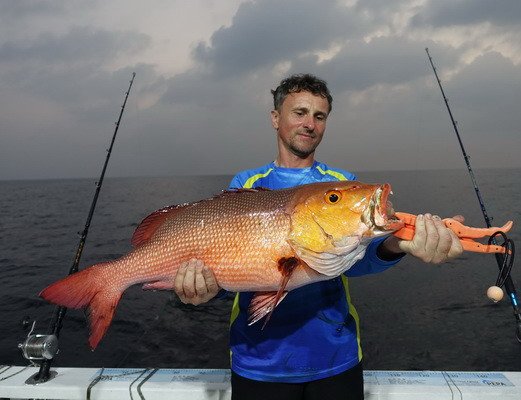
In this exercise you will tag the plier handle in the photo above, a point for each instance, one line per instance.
(466, 234)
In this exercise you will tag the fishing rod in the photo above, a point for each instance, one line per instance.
(44, 347)
(504, 261)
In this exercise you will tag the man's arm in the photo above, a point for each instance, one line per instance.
(433, 242)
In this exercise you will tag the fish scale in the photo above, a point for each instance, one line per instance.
(234, 247)
(253, 240)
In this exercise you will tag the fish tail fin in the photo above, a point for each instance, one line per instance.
(87, 289)
(101, 311)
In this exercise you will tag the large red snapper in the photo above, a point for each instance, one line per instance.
(253, 240)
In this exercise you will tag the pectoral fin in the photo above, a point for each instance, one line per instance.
(263, 303)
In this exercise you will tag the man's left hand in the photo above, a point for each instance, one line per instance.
(433, 242)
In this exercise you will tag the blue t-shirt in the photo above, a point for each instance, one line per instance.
(314, 332)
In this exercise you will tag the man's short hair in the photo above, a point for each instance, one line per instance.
(301, 83)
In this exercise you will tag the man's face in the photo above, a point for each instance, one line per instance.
(301, 122)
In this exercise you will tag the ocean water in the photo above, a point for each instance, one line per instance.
(415, 316)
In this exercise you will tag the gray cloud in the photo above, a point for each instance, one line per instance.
(381, 10)
(68, 69)
(465, 12)
(262, 35)
(357, 66)
(268, 32)
(478, 90)
(18, 9)
(80, 45)
(61, 86)
(382, 61)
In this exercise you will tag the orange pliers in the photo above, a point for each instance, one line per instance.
(466, 234)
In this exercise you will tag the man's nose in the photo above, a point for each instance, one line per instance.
(309, 123)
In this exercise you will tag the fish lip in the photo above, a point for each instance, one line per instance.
(382, 215)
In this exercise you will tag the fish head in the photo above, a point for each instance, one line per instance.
(335, 216)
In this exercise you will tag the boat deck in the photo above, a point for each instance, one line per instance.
(199, 384)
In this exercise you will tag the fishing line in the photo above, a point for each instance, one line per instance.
(504, 261)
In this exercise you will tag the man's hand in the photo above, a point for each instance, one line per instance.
(433, 242)
(195, 283)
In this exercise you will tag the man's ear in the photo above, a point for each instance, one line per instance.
(275, 119)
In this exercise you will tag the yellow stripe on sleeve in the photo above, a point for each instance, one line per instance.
(337, 175)
(354, 314)
(249, 183)
(234, 315)
(235, 309)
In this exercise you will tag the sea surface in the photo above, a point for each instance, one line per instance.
(414, 316)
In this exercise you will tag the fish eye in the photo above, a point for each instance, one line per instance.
(333, 196)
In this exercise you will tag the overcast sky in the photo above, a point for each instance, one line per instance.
(201, 99)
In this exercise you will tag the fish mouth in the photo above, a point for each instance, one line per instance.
(379, 216)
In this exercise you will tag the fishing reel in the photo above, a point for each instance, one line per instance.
(39, 347)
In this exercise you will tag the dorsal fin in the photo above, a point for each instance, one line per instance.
(242, 190)
(149, 225)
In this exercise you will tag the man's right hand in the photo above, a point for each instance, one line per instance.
(195, 283)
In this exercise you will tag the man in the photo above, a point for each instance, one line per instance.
(311, 347)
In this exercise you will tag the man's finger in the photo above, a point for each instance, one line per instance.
(189, 280)
(456, 248)
(432, 238)
(444, 240)
(211, 282)
(459, 218)
(178, 281)
(200, 284)
(420, 229)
